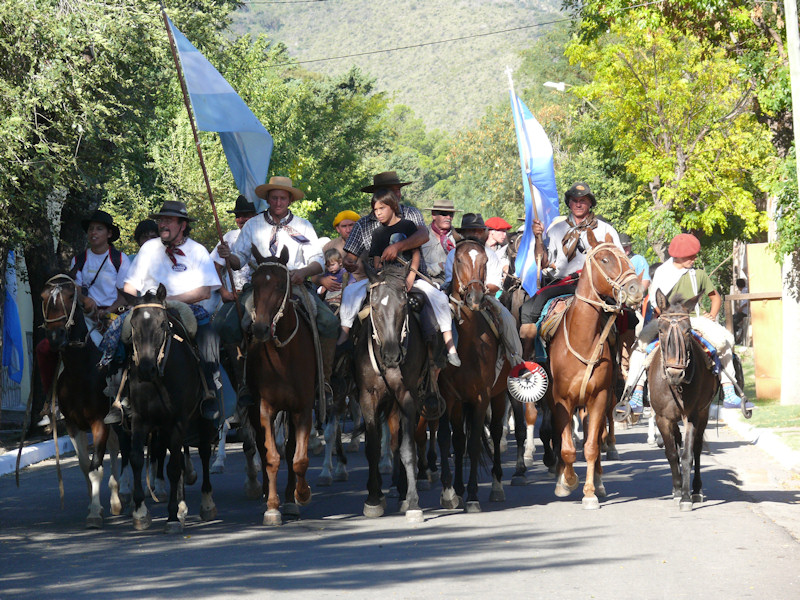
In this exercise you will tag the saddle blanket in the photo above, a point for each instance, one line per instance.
(710, 351)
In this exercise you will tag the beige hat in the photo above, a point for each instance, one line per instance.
(278, 183)
(443, 205)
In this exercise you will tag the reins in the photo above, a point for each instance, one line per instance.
(166, 344)
(376, 337)
(278, 343)
(68, 315)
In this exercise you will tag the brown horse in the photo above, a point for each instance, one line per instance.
(79, 390)
(281, 372)
(472, 388)
(681, 386)
(582, 362)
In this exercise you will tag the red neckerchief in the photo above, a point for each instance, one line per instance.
(172, 251)
(444, 238)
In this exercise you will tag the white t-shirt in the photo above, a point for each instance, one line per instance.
(152, 266)
(257, 232)
(240, 277)
(494, 269)
(104, 289)
(556, 252)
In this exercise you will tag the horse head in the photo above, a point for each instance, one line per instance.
(388, 304)
(272, 288)
(611, 274)
(514, 240)
(674, 329)
(60, 299)
(469, 272)
(151, 332)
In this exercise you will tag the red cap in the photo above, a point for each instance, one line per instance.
(498, 223)
(683, 245)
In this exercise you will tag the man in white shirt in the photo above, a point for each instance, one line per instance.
(270, 233)
(567, 248)
(187, 272)
(497, 239)
(441, 240)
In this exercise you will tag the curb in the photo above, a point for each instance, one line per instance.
(762, 438)
(33, 454)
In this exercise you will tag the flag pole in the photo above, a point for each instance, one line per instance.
(188, 105)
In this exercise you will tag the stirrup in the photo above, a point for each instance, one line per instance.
(433, 407)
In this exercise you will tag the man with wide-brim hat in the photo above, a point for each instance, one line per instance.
(387, 179)
(187, 272)
(442, 237)
(277, 229)
(474, 228)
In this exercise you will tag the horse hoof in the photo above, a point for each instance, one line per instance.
(552, 469)
(352, 447)
(373, 512)
(183, 511)
(173, 527)
(116, 508)
(590, 503)
(528, 458)
(140, 524)
(600, 491)
(393, 493)
(252, 490)
(685, 506)
(423, 485)
(324, 481)
(403, 507)
(503, 446)
(126, 500)
(217, 468)
(291, 512)
(340, 475)
(190, 478)
(699, 497)
(612, 455)
(562, 491)
(473, 506)
(449, 499)
(208, 514)
(497, 496)
(303, 501)
(273, 518)
(385, 467)
(433, 476)
(519, 480)
(414, 516)
(94, 522)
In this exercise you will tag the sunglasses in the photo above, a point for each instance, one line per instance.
(442, 213)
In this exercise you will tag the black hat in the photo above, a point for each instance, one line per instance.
(472, 221)
(625, 239)
(173, 208)
(102, 217)
(146, 226)
(243, 205)
(579, 190)
(384, 180)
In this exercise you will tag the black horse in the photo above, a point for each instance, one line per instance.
(682, 386)
(164, 393)
(391, 361)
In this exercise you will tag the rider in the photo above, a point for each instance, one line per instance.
(566, 252)
(280, 228)
(497, 239)
(678, 279)
(473, 228)
(99, 272)
(441, 240)
(187, 272)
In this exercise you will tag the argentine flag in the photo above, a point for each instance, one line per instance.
(539, 184)
(217, 107)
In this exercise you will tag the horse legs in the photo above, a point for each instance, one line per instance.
(530, 425)
(433, 473)
(208, 510)
(520, 432)
(496, 429)
(449, 498)
(687, 454)
(126, 471)
(475, 422)
(594, 427)
(301, 424)
(566, 480)
(459, 447)
(93, 478)
(609, 437)
(386, 449)
(158, 454)
(141, 516)
(421, 440)
(325, 477)
(409, 459)
(219, 461)
(252, 489)
(547, 436)
(271, 460)
(175, 467)
(376, 502)
(114, 477)
(665, 426)
(355, 411)
(697, 483)
(189, 474)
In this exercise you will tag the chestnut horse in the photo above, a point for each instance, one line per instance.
(164, 391)
(281, 371)
(390, 367)
(582, 362)
(79, 390)
(681, 386)
(472, 388)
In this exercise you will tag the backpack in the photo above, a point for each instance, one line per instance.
(80, 260)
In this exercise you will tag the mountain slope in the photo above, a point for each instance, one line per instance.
(448, 84)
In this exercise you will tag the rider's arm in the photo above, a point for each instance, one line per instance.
(193, 296)
(716, 304)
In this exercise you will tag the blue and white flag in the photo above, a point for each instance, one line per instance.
(217, 107)
(539, 184)
(13, 356)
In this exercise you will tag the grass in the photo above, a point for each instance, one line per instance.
(783, 420)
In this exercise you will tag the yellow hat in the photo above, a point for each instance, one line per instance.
(346, 214)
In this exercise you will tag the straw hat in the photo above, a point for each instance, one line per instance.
(279, 183)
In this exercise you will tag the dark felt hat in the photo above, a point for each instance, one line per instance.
(102, 217)
(384, 180)
(579, 190)
(243, 205)
(472, 221)
(173, 208)
(146, 226)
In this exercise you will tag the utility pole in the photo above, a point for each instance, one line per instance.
(790, 374)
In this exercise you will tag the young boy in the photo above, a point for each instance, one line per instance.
(333, 268)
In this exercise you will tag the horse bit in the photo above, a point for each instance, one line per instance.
(279, 314)
(69, 316)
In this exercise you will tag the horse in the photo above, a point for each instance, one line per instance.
(344, 388)
(582, 362)
(79, 390)
(281, 373)
(391, 363)
(472, 388)
(164, 393)
(682, 386)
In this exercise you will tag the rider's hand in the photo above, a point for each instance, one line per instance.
(297, 278)
(390, 254)
(538, 227)
(410, 281)
(227, 296)
(224, 250)
(329, 283)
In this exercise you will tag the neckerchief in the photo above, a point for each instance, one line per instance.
(173, 250)
(282, 224)
(444, 238)
(570, 241)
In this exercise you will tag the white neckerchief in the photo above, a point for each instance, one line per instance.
(664, 279)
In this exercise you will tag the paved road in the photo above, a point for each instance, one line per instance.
(742, 543)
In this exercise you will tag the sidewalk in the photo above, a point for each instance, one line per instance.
(33, 454)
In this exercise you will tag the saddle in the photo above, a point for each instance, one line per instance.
(553, 315)
(710, 357)
(416, 302)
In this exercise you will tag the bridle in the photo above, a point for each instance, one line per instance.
(166, 343)
(376, 336)
(457, 299)
(625, 276)
(681, 360)
(281, 309)
(58, 282)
